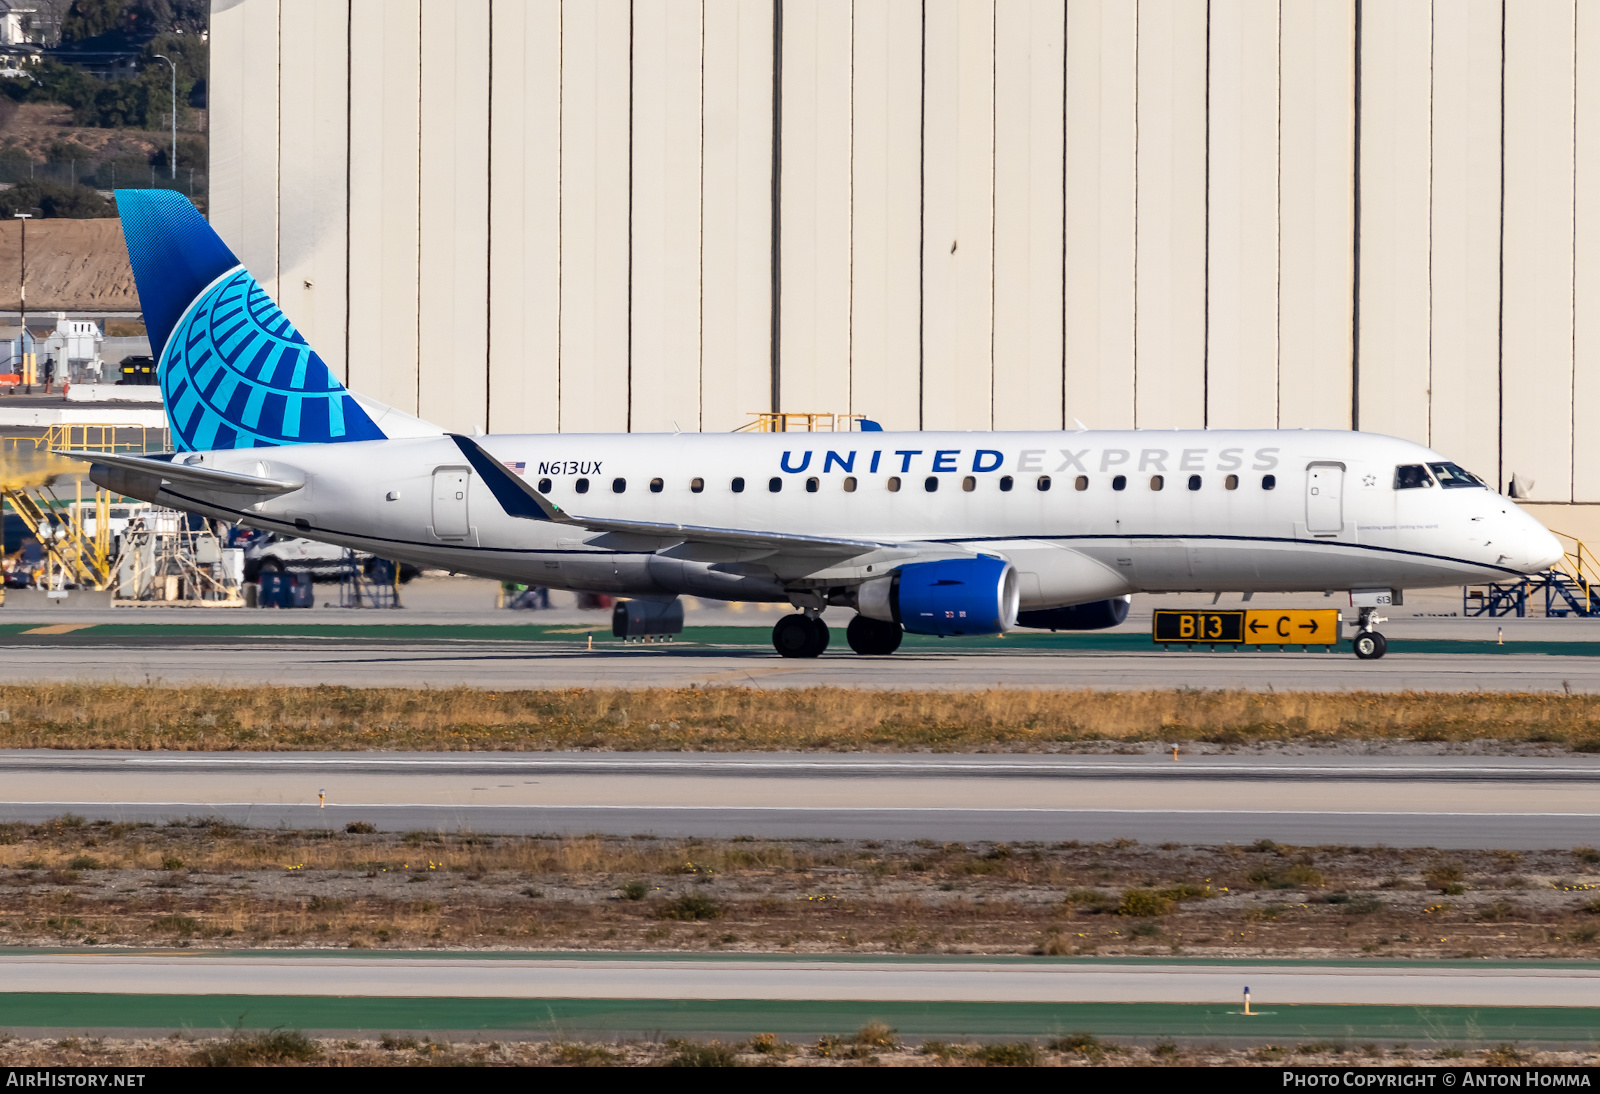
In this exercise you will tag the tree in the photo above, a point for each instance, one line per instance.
(192, 152)
(91, 18)
(54, 200)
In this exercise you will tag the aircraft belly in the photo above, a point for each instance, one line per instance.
(1174, 565)
(717, 580)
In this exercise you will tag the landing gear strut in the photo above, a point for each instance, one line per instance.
(872, 636)
(800, 636)
(1369, 644)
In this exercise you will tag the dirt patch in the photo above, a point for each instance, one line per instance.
(73, 265)
(71, 883)
(741, 719)
(35, 127)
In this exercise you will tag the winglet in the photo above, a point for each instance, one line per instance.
(516, 497)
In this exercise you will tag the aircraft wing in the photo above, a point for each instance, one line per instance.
(164, 468)
(519, 499)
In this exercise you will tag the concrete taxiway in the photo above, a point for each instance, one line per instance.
(1407, 801)
(513, 977)
(423, 660)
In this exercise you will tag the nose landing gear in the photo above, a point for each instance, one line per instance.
(800, 636)
(1369, 644)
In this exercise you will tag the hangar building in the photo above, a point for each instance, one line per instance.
(972, 214)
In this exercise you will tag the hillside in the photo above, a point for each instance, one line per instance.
(73, 265)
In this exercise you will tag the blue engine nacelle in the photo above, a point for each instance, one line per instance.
(1079, 617)
(952, 596)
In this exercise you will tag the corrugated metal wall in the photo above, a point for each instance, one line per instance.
(559, 214)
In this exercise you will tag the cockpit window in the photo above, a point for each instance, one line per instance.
(1451, 476)
(1409, 476)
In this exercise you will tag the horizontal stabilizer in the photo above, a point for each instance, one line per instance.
(164, 468)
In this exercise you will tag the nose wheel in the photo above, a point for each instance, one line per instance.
(1369, 644)
(800, 636)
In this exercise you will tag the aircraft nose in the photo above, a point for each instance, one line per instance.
(1542, 549)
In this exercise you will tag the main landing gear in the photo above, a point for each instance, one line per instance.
(1369, 644)
(800, 636)
(872, 636)
(803, 635)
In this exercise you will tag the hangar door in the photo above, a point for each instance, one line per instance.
(450, 502)
(1324, 507)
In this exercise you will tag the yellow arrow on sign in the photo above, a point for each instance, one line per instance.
(1291, 627)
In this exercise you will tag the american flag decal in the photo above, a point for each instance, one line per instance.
(517, 468)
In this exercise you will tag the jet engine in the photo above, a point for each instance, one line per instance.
(947, 597)
(1094, 616)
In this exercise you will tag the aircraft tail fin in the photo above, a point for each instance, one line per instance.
(234, 372)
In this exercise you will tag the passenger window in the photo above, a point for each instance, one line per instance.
(1157, 482)
(931, 483)
(738, 486)
(1231, 482)
(696, 485)
(618, 485)
(811, 485)
(1194, 482)
(1044, 482)
(893, 484)
(656, 485)
(1081, 482)
(581, 486)
(544, 486)
(1005, 482)
(774, 484)
(849, 484)
(969, 484)
(1120, 482)
(1269, 482)
(1411, 476)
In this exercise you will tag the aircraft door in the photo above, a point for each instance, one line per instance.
(450, 502)
(1324, 499)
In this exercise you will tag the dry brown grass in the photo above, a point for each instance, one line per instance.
(220, 886)
(1075, 1050)
(726, 719)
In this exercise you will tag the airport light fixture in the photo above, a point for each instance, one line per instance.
(22, 300)
(174, 160)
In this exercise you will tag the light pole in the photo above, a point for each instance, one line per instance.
(174, 163)
(22, 296)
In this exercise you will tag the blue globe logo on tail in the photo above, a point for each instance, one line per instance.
(234, 372)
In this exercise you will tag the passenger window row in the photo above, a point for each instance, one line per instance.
(930, 484)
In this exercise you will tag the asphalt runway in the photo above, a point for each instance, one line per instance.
(1466, 802)
(909, 981)
(431, 662)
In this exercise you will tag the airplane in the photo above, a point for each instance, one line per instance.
(933, 533)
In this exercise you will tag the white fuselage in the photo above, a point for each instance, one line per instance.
(1332, 518)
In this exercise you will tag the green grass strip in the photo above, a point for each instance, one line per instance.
(576, 1017)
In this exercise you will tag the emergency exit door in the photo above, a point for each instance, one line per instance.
(1324, 504)
(450, 502)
